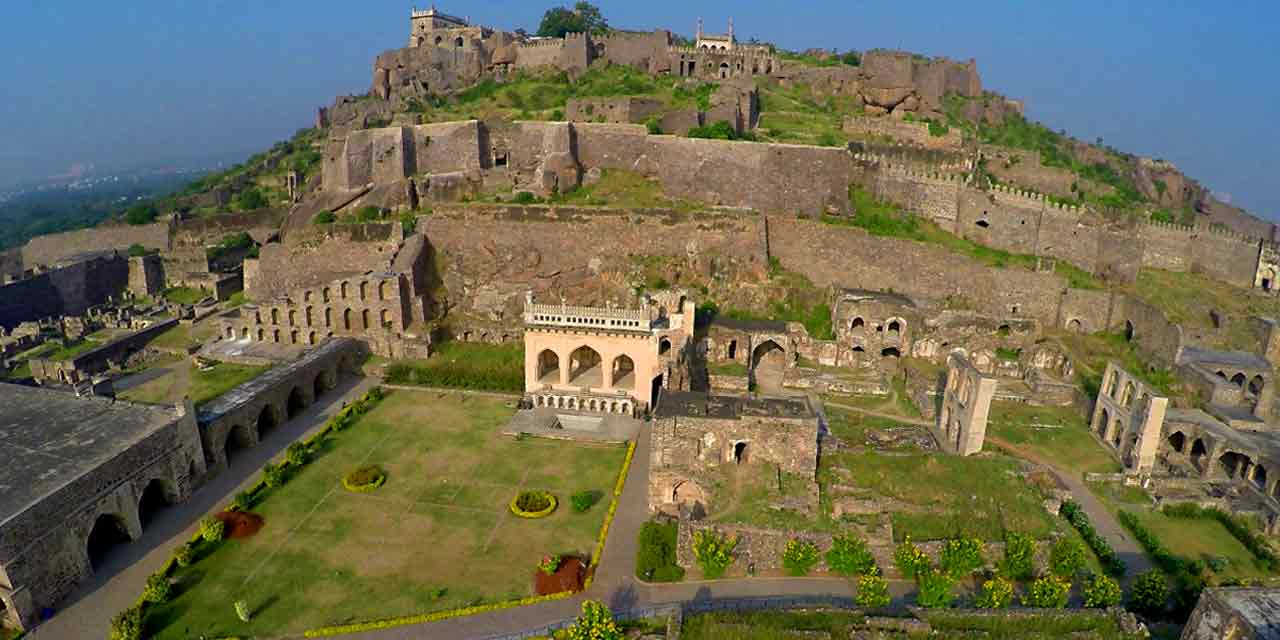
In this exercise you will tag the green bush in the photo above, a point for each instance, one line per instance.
(533, 501)
(960, 556)
(297, 454)
(324, 217)
(719, 130)
(1149, 594)
(873, 591)
(849, 556)
(656, 553)
(935, 589)
(136, 250)
(1019, 556)
(653, 126)
(584, 500)
(142, 213)
(1101, 548)
(1049, 592)
(1101, 592)
(799, 556)
(526, 197)
(909, 559)
(250, 199)
(996, 593)
(185, 555)
(127, 625)
(1066, 557)
(157, 589)
(273, 475)
(243, 501)
(595, 623)
(213, 529)
(714, 552)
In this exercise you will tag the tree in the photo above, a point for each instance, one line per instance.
(250, 199)
(136, 250)
(1101, 592)
(584, 17)
(1149, 594)
(142, 213)
(1066, 557)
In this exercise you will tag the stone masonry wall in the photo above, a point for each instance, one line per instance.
(320, 254)
(54, 247)
(915, 133)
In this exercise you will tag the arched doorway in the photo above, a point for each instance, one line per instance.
(858, 325)
(548, 367)
(238, 439)
(109, 531)
(768, 363)
(1103, 422)
(1128, 331)
(890, 352)
(584, 367)
(1232, 463)
(724, 70)
(1255, 386)
(266, 421)
(1177, 441)
(739, 452)
(1260, 477)
(153, 499)
(318, 386)
(733, 350)
(296, 403)
(655, 391)
(664, 346)
(623, 372)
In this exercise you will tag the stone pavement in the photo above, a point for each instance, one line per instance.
(87, 612)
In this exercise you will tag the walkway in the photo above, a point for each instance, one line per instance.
(88, 611)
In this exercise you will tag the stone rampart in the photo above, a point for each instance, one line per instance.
(59, 246)
(391, 154)
(261, 224)
(69, 289)
(915, 133)
(320, 254)
(114, 354)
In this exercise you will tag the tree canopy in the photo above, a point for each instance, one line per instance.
(584, 17)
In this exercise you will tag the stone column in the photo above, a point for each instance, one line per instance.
(566, 363)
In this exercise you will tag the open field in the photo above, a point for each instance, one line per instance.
(183, 379)
(438, 535)
(1058, 435)
(771, 625)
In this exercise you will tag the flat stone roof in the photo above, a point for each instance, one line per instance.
(251, 390)
(1240, 359)
(695, 404)
(1259, 606)
(50, 438)
(1267, 443)
(764, 326)
(867, 294)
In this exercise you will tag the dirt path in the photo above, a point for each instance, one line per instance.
(881, 414)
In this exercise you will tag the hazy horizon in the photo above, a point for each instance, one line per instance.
(151, 83)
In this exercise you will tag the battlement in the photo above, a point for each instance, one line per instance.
(1037, 199)
(1227, 234)
(736, 52)
(443, 17)
(545, 42)
(947, 172)
(559, 315)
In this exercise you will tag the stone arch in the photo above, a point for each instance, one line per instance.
(268, 419)
(384, 289)
(894, 329)
(324, 295)
(1260, 477)
(1126, 398)
(1103, 421)
(231, 333)
(732, 351)
(1128, 330)
(458, 42)
(308, 317)
(1177, 441)
(364, 289)
(890, 352)
(439, 39)
(293, 317)
(858, 324)
(275, 336)
(108, 532)
(157, 495)
(296, 403)
(262, 335)
(346, 320)
(244, 333)
(275, 316)
(293, 336)
(364, 319)
(257, 316)
(548, 367)
(724, 70)
(342, 290)
(1117, 432)
(1074, 326)
(1113, 380)
(321, 384)
(741, 452)
(585, 367)
(328, 317)
(623, 372)
(1255, 386)
(1268, 279)
(1233, 463)
(311, 338)
(386, 317)
(1238, 380)
(1198, 450)
(768, 364)
(664, 346)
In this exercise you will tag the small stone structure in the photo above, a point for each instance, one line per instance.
(81, 474)
(694, 434)
(238, 418)
(1128, 417)
(603, 359)
(1235, 613)
(765, 349)
(871, 325)
(113, 355)
(966, 400)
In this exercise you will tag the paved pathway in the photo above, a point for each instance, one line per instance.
(87, 612)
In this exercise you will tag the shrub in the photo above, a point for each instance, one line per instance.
(961, 556)
(1066, 557)
(136, 250)
(849, 556)
(250, 198)
(324, 217)
(934, 589)
(297, 454)
(1101, 592)
(1149, 594)
(364, 479)
(719, 130)
(714, 552)
(273, 475)
(127, 625)
(1101, 548)
(799, 556)
(157, 589)
(653, 126)
(873, 591)
(656, 555)
(909, 559)
(550, 564)
(997, 593)
(595, 623)
(1019, 556)
(584, 500)
(533, 502)
(184, 555)
(526, 197)
(242, 610)
(1049, 592)
(139, 214)
(213, 529)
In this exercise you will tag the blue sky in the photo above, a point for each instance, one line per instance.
(142, 82)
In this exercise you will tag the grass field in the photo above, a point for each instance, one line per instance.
(465, 365)
(184, 336)
(1202, 539)
(947, 625)
(437, 535)
(1058, 435)
(184, 295)
(182, 379)
(1187, 299)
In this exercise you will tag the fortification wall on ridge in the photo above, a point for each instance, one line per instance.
(318, 255)
(58, 246)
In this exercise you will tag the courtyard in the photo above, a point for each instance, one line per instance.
(170, 381)
(437, 536)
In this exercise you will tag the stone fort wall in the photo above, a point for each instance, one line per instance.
(52, 248)
(320, 254)
(68, 290)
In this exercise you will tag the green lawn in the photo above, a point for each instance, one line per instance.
(184, 380)
(946, 624)
(729, 368)
(438, 535)
(1058, 435)
(185, 295)
(69, 351)
(184, 336)
(1202, 539)
(465, 365)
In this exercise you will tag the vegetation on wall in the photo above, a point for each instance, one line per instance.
(464, 365)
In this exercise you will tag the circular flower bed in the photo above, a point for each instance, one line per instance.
(533, 504)
(364, 479)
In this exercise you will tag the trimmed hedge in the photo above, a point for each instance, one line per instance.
(364, 479)
(1235, 525)
(533, 504)
(1111, 562)
(1188, 578)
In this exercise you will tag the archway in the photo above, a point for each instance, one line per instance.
(1177, 441)
(664, 346)
(724, 70)
(1255, 386)
(1127, 397)
(364, 319)
(857, 325)
(1198, 450)
(318, 386)
(1260, 477)
(1105, 420)
(1074, 326)
(346, 320)
(623, 372)
(1232, 463)
(153, 499)
(458, 42)
(768, 363)
(894, 330)
(739, 452)
(1112, 382)
(1238, 380)
(733, 350)
(296, 403)
(1128, 330)
(584, 367)
(1117, 433)
(548, 367)
(890, 352)
(266, 420)
(109, 531)
(238, 439)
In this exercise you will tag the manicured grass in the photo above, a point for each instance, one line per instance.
(71, 350)
(465, 365)
(184, 380)
(184, 336)
(1058, 435)
(1201, 539)
(185, 295)
(947, 625)
(436, 536)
